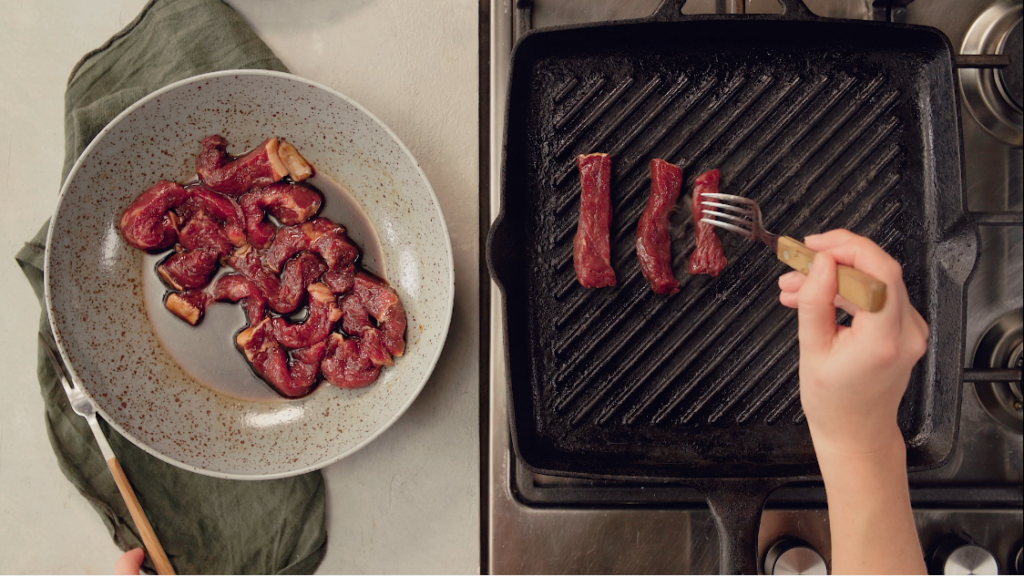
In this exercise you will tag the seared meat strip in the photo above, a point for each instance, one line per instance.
(291, 378)
(654, 233)
(235, 287)
(592, 247)
(323, 313)
(190, 305)
(708, 256)
(289, 203)
(259, 168)
(148, 223)
(346, 365)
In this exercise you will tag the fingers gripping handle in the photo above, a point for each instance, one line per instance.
(862, 289)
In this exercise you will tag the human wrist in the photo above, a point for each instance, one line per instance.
(851, 463)
(885, 441)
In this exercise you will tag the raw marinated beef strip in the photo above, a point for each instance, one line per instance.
(148, 223)
(235, 176)
(708, 256)
(298, 274)
(248, 263)
(202, 200)
(284, 293)
(357, 324)
(190, 306)
(188, 270)
(592, 247)
(323, 237)
(202, 231)
(323, 313)
(235, 287)
(292, 377)
(319, 235)
(654, 233)
(289, 203)
(213, 226)
(346, 364)
(382, 302)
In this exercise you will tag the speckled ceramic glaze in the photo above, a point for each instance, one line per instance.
(94, 280)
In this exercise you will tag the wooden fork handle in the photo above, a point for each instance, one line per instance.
(862, 289)
(153, 547)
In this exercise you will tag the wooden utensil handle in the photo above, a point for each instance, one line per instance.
(862, 289)
(153, 547)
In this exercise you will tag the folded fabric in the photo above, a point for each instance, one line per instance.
(206, 525)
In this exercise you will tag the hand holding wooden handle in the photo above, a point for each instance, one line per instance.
(153, 547)
(862, 289)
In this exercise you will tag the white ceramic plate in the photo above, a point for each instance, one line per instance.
(186, 395)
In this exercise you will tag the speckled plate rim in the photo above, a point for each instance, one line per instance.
(73, 375)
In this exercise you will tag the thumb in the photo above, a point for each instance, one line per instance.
(130, 562)
(816, 306)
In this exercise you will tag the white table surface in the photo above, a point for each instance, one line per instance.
(409, 502)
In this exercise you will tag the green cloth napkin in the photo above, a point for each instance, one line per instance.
(206, 525)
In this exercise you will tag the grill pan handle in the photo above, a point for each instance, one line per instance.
(672, 11)
(501, 251)
(736, 504)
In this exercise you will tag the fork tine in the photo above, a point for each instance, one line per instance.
(730, 197)
(735, 209)
(730, 227)
(746, 223)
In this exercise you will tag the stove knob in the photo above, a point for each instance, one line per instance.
(955, 555)
(792, 556)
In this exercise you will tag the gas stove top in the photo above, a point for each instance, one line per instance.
(969, 511)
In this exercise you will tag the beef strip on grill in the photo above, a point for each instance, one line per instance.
(591, 252)
(708, 257)
(654, 233)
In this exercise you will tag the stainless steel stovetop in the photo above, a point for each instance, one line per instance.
(541, 524)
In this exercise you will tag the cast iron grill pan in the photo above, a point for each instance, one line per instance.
(828, 124)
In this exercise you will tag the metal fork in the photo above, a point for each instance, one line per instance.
(82, 406)
(743, 216)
